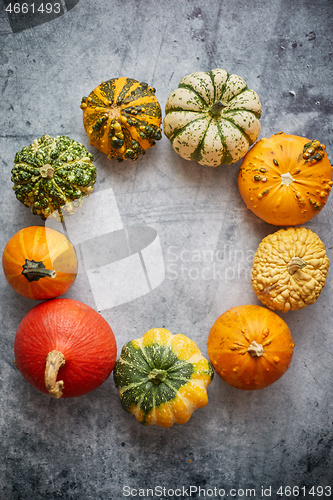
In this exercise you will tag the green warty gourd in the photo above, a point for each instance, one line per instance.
(52, 175)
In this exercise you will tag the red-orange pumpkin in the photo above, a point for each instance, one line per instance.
(64, 348)
(39, 263)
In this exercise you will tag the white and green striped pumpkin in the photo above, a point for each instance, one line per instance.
(162, 378)
(212, 118)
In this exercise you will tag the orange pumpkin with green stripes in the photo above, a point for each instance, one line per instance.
(122, 118)
(39, 263)
(162, 378)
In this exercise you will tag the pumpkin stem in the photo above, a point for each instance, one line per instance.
(33, 270)
(286, 179)
(54, 361)
(47, 171)
(157, 376)
(295, 264)
(216, 108)
(255, 349)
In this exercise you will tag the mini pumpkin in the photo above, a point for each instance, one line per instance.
(39, 263)
(250, 347)
(212, 117)
(285, 179)
(122, 118)
(289, 269)
(52, 175)
(162, 378)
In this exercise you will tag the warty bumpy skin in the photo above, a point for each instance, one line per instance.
(290, 269)
(52, 175)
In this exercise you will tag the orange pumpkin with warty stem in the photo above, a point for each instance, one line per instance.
(250, 347)
(285, 179)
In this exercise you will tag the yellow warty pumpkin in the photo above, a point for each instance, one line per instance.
(289, 269)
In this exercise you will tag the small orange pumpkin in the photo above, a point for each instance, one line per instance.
(39, 263)
(250, 347)
(285, 179)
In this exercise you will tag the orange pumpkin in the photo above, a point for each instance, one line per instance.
(39, 263)
(285, 179)
(250, 347)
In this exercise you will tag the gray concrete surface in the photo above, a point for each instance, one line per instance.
(89, 448)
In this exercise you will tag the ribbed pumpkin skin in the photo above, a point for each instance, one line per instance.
(230, 338)
(162, 378)
(285, 179)
(122, 118)
(81, 334)
(212, 118)
(50, 251)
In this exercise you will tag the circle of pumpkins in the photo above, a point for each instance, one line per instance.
(212, 118)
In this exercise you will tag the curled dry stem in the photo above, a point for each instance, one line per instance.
(54, 361)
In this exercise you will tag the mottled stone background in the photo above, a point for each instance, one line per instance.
(89, 448)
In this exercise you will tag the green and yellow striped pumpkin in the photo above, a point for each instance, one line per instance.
(212, 118)
(122, 118)
(162, 378)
